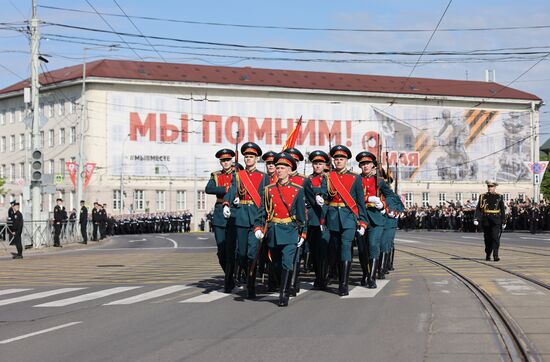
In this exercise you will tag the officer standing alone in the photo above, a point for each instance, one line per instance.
(83, 221)
(59, 216)
(490, 211)
(17, 230)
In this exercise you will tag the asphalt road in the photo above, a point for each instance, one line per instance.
(156, 298)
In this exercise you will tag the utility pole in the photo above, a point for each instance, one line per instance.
(83, 121)
(37, 185)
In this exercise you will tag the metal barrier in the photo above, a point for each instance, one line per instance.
(41, 233)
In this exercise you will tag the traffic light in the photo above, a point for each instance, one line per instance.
(37, 168)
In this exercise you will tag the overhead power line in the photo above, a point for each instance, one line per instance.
(296, 28)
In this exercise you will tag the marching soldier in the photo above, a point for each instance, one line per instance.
(395, 207)
(315, 189)
(269, 159)
(218, 185)
(282, 217)
(244, 196)
(345, 215)
(83, 221)
(17, 230)
(369, 246)
(59, 216)
(298, 179)
(95, 221)
(490, 211)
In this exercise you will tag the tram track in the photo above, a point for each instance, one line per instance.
(517, 344)
(517, 274)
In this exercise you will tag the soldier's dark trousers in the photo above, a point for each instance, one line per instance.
(219, 235)
(57, 232)
(230, 256)
(318, 241)
(94, 231)
(84, 232)
(491, 236)
(18, 244)
(102, 230)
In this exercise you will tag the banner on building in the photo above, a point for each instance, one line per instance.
(428, 143)
(88, 171)
(72, 169)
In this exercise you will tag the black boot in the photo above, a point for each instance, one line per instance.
(364, 268)
(392, 256)
(381, 266)
(345, 268)
(251, 282)
(284, 294)
(371, 281)
(272, 281)
(387, 263)
(306, 263)
(495, 256)
(487, 257)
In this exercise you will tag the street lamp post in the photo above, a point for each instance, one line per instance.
(122, 175)
(169, 186)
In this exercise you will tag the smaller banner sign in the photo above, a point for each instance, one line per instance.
(72, 169)
(88, 170)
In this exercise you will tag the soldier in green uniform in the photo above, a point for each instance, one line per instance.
(282, 218)
(243, 200)
(315, 189)
(490, 211)
(346, 213)
(218, 185)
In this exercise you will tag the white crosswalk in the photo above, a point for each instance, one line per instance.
(193, 295)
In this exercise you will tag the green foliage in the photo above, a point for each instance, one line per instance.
(2, 183)
(545, 185)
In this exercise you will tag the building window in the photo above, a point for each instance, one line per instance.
(12, 172)
(2, 119)
(12, 143)
(161, 200)
(201, 200)
(18, 117)
(62, 136)
(409, 201)
(72, 135)
(3, 144)
(458, 196)
(49, 110)
(138, 199)
(506, 196)
(51, 138)
(475, 196)
(11, 115)
(425, 199)
(21, 141)
(116, 200)
(3, 171)
(28, 141)
(71, 106)
(62, 166)
(181, 203)
(442, 198)
(22, 170)
(51, 167)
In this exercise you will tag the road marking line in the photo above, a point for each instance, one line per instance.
(471, 237)
(11, 291)
(207, 297)
(406, 240)
(86, 297)
(132, 241)
(5, 341)
(516, 287)
(37, 295)
(532, 238)
(363, 292)
(172, 240)
(150, 295)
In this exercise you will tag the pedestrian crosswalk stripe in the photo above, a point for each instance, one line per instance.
(363, 292)
(150, 295)
(86, 297)
(11, 291)
(27, 297)
(304, 288)
(207, 297)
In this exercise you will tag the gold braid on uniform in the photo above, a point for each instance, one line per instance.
(240, 188)
(268, 205)
(482, 202)
(330, 191)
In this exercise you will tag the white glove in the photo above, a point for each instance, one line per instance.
(236, 201)
(379, 205)
(361, 231)
(476, 223)
(392, 214)
(322, 227)
(382, 211)
(259, 234)
(226, 212)
(300, 242)
(319, 199)
(374, 199)
(503, 226)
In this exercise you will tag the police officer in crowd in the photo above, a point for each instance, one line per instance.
(95, 221)
(490, 212)
(16, 230)
(83, 221)
(59, 217)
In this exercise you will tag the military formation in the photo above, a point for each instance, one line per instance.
(280, 222)
(149, 223)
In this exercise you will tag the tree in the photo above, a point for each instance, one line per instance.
(545, 184)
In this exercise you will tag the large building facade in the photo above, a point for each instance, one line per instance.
(152, 129)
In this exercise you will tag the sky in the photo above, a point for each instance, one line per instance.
(64, 46)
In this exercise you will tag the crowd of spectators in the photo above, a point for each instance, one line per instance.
(456, 216)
